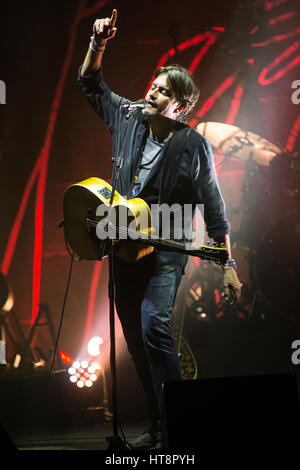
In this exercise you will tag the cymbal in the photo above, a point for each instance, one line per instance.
(238, 143)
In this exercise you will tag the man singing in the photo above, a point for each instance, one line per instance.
(165, 162)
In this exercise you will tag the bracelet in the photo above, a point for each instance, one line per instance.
(96, 50)
(94, 46)
(230, 262)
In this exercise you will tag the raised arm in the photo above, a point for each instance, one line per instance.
(103, 30)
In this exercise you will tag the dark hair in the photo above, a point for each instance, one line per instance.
(183, 85)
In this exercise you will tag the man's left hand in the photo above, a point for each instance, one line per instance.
(232, 285)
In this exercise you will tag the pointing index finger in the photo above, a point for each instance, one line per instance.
(113, 18)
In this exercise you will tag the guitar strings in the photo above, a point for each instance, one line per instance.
(146, 236)
(211, 250)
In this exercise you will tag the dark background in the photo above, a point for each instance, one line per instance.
(42, 45)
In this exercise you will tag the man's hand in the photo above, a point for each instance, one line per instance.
(104, 28)
(232, 285)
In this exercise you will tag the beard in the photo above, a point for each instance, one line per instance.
(150, 111)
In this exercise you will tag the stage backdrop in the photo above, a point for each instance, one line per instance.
(245, 56)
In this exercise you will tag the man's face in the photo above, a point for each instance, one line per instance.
(162, 99)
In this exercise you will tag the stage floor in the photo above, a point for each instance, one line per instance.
(38, 412)
(42, 413)
(77, 438)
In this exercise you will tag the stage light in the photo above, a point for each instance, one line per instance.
(93, 346)
(96, 365)
(65, 357)
(83, 373)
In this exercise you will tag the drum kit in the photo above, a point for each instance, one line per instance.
(269, 227)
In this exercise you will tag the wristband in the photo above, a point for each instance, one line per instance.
(94, 46)
(230, 262)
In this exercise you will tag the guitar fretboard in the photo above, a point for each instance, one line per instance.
(210, 253)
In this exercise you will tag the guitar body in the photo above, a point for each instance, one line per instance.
(80, 204)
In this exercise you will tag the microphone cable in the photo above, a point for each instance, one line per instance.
(73, 258)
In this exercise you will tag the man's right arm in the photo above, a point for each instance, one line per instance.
(105, 102)
(103, 30)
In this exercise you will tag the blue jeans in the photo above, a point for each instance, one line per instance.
(145, 298)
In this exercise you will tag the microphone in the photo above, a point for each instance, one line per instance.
(141, 104)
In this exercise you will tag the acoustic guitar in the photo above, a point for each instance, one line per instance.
(84, 200)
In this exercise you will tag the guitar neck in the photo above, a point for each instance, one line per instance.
(211, 253)
(168, 245)
(207, 252)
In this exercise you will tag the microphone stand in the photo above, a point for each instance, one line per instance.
(114, 441)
